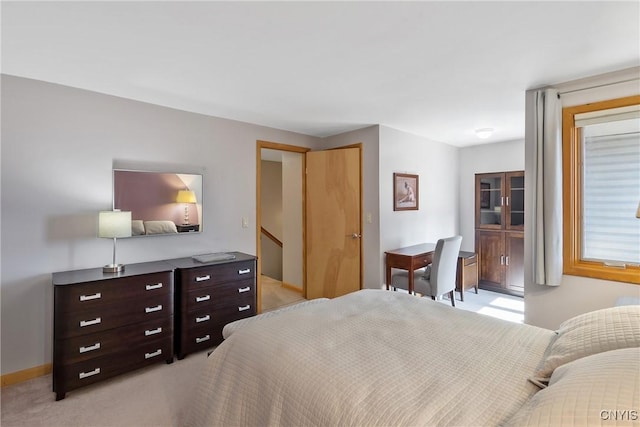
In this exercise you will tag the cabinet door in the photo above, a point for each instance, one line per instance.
(514, 245)
(490, 249)
(489, 201)
(514, 201)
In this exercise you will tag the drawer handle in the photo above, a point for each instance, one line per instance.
(97, 295)
(203, 339)
(152, 287)
(96, 346)
(95, 321)
(83, 375)
(158, 352)
(243, 290)
(244, 308)
(203, 298)
(152, 331)
(248, 270)
(203, 318)
(203, 278)
(152, 309)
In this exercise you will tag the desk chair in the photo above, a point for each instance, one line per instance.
(439, 277)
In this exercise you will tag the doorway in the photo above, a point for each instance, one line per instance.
(280, 224)
(320, 221)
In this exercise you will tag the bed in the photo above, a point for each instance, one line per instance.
(381, 358)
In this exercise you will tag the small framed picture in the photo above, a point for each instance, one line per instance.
(405, 192)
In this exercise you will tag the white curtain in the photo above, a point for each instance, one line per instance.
(546, 186)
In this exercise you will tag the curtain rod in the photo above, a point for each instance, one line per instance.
(597, 86)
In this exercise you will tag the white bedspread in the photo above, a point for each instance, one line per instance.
(370, 358)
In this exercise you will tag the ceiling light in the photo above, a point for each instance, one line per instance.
(484, 133)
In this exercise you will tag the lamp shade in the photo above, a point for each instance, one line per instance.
(113, 224)
(186, 196)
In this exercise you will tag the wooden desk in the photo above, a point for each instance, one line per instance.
(410, 258)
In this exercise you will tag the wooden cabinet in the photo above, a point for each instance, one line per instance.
(210, 295)
(106, 324)
(500, 231)
(466, 272)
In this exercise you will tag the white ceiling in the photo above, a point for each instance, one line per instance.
(435, 69)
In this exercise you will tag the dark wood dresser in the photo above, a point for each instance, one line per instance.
(106, 324)
(210, 295)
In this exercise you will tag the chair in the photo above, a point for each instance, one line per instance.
(441, 278)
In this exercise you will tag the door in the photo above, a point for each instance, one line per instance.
(333, 223)
(490, 249)
(514, 261)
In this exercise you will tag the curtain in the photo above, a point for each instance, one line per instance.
(547, 186)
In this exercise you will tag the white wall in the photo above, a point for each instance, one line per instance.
(58, 148)
(486, 158)
(271, 218)
(436, 164)
(292, 216)
(369, 137)
(549, 306)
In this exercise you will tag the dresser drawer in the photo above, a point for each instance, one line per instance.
(219, 294)
(84, 347)
(110, 316)
(201, 338)
(97, 369)
(95, 294)
(206, 276)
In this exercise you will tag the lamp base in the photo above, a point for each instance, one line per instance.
(113, 268)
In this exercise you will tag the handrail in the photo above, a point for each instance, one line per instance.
(271, 236)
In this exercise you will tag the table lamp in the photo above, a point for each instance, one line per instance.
(111, 225)
(186, 197)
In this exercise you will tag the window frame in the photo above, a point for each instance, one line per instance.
(573, 265)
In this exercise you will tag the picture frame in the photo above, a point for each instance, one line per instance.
(485, 195)
(405, 192)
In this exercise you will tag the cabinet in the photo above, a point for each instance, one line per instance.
(499, 223)
(210, 295)
(466, 273)
(106, 324)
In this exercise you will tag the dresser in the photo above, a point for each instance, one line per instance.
(210, 295)
(106, 324)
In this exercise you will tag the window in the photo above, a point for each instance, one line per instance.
(601, 189)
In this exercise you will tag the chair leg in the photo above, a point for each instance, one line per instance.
(452, 295)
(433, 298)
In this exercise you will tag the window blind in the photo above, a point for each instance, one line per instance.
(611, 192)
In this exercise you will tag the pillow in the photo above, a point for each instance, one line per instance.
(160, 227)
(590, 333)
(600, 389)
(137, 227)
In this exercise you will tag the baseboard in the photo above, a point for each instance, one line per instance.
(25, 375)
(291, 287)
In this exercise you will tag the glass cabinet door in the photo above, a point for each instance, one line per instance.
(515, 201)
(490, 201)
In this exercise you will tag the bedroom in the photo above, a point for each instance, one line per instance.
(58, 148)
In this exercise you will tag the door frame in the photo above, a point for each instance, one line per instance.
(260, 144)
(292, 149)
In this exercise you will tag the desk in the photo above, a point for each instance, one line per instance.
(410, 258)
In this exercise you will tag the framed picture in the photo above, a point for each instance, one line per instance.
(405, 192)
(485, 195)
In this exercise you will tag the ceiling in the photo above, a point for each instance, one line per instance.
(436, 69)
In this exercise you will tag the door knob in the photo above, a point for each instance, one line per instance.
(356, 236)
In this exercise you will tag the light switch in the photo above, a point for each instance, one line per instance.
(245, 222)
(369, 220)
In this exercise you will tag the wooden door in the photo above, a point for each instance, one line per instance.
(514, 201)
(333, 223)
(490, 249)
(490, 201)
(514, 250)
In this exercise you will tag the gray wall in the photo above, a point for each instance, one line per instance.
(436, 164)
(271, 218)
(58, 148)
